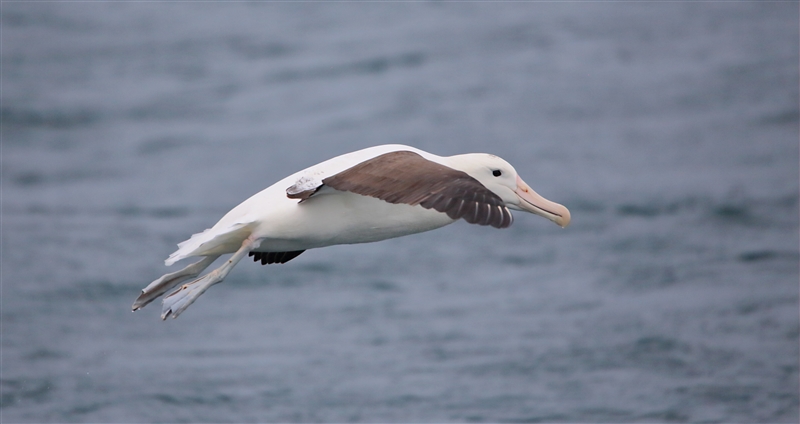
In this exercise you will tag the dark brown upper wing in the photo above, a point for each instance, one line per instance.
(406, 177)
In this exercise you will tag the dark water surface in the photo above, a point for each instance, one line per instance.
(669, 129)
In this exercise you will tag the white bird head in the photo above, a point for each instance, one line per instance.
(501, 178)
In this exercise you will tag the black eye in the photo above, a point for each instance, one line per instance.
(497, 173)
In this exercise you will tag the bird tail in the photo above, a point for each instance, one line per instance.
(211, 241)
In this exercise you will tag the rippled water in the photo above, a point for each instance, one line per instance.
(669, 129)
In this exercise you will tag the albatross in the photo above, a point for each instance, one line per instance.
(364, 196)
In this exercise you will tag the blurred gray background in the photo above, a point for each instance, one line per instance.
(670, 129)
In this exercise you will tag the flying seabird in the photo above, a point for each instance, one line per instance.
(368, 195)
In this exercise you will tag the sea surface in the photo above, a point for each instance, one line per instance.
(670, 130)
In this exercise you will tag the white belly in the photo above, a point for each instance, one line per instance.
(343, 218)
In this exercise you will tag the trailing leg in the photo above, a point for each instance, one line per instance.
(177, 301)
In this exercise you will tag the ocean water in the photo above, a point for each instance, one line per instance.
(670, 130)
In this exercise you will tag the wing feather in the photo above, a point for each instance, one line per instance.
(275, 257)
(408, 178)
